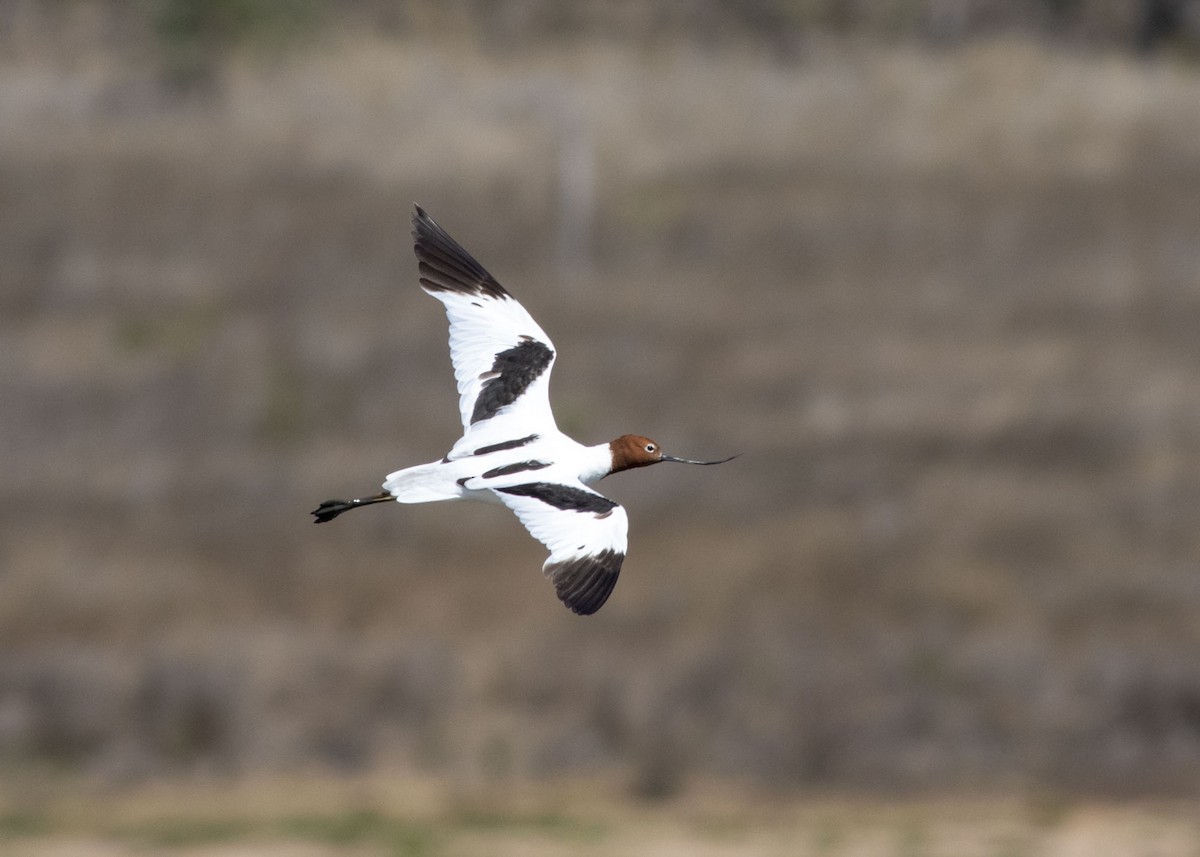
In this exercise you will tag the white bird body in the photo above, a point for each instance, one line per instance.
(511, 451)
(463, 474)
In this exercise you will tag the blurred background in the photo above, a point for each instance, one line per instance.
(932, 266)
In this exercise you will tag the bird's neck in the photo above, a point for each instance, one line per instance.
(597, 463)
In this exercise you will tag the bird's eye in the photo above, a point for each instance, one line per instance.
(650, 447)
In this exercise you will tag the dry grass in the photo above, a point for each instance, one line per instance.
(370, 816)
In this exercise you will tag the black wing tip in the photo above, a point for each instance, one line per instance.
(584, 583)
(445, 264)
(422, 223)
(424, 228)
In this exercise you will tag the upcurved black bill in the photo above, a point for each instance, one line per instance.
(689, 461)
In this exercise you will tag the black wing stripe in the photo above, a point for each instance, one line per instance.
(516, 368)
(506, 444)
(445, 264)
(563, 497)
(516, 467)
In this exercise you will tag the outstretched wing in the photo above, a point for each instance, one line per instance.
(502, 358)
(585, 532)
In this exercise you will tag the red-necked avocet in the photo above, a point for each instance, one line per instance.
(511, 451)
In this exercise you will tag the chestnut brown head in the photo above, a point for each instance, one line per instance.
(635, 450)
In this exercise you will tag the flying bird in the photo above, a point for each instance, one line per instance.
(511, 451)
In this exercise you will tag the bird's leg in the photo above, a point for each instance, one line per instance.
(330, 509)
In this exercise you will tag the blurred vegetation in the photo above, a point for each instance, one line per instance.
(197, 35)
(219, 24)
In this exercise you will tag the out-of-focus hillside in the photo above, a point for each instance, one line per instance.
(945, 302)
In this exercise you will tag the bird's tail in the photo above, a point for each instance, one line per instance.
(424, 483)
